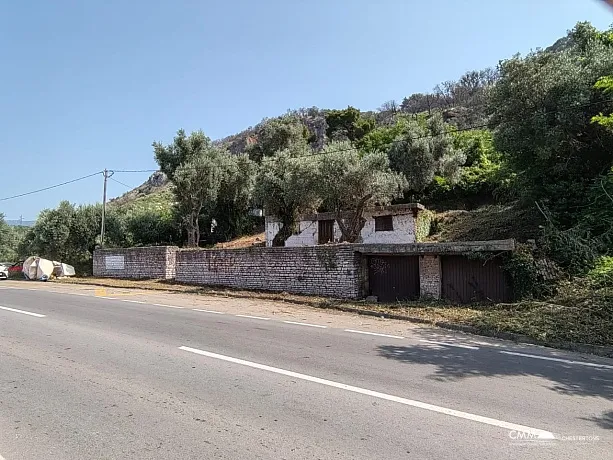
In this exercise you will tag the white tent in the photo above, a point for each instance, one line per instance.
(36, 268)
(61, 269)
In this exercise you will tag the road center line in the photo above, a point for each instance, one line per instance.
(38, 315)
(541, 434)
(253, 317)
(559, 360)
(374, 333)
(209, 311)
(305, 324)
(167, 306)
(447, 344)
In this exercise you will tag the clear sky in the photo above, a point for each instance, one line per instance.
(88, 85)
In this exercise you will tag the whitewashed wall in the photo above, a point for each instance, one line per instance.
(404, 231)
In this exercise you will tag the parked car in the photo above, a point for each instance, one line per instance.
(4, 271)
(15, 268)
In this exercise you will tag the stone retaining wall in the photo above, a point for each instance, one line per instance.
(156, 262)
(332, 271)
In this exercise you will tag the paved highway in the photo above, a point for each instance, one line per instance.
(92, 377)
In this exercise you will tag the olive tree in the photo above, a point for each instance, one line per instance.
(286, 186)
(425, 151)
(349, 181)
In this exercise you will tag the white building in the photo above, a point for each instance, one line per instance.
(384, 224)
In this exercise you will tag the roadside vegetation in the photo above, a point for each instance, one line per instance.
(522, 151)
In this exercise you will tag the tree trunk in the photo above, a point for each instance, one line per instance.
(352, 229)
(191, 223)
(287, 229)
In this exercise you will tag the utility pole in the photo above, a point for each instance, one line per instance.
(107, 174)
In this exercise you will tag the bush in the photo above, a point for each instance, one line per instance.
(602, 273)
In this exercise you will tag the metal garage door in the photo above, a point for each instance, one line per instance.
(467, 280)
(393, 278)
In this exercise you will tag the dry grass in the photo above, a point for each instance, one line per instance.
(578, 315)
(243, 242)
(494, 222)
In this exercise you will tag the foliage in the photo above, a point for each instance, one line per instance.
(10, 238)
(348, 182)
(182, 150)
(480, 176)
(423, 225)
(70, 234)
(234, 199)
(423, 152)
(286, 186)
(606, 85)
(542, 107)
(521, 269)
(602, 273)
(196, 186)
(209, 183)
(275, 134)
(348, 124)
(382, 137)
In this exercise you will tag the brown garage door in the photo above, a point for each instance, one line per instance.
(393, 278)
(467, 280)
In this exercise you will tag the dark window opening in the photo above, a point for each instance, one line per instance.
(384, 224)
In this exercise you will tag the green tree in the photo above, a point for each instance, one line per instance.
(426, 151)
(9, 241)
(276, 134)
(209, 183)
(70, 234)
(196, 186)
(235, 199)
(348, 182)
(286, 185)
(182, 150)
(542, 107)
(348, 123)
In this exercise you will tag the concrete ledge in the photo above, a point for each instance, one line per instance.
(436, 248)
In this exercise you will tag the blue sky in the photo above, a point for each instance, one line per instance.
(89, 84)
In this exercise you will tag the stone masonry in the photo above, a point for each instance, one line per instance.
(430, 276)
(157, 262)
(333, 271)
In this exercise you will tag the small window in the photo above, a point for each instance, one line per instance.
(384, 224)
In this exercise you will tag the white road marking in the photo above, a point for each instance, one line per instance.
(164, 305)
(559, 360)
(132, 301)
(305, 324)
(375, 333)
(209, 311)
(105, 297)
(38, 315)
(253, 317)
(541, 434)
(447, 344)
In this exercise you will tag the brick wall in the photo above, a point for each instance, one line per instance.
(430, 276)
(333, 271)
(148, 262)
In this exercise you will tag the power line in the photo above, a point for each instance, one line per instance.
(134, 170)
(50, 187)
(121, 183)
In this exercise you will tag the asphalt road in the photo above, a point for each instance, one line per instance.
(86, 377)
